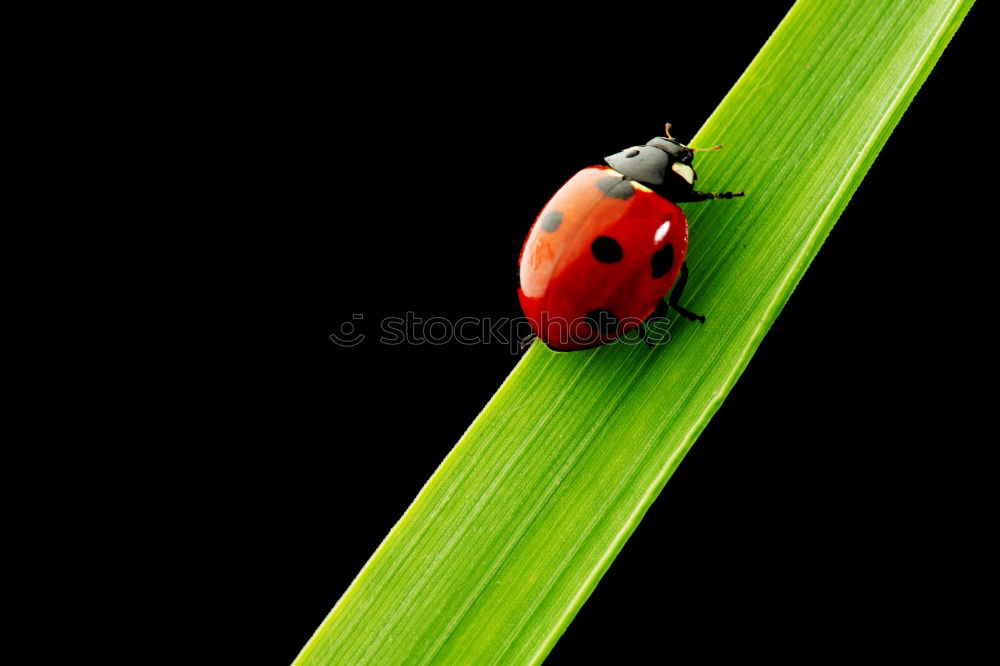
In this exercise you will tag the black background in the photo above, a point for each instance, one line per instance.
(395, 163)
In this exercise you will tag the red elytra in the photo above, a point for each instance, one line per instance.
(599, 259)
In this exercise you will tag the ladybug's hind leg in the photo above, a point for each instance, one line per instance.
(675, 296)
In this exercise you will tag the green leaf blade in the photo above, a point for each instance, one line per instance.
(511, 534)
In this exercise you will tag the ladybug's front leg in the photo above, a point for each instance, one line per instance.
(691, 196)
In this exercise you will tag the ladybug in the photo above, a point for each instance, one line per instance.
(605, 250)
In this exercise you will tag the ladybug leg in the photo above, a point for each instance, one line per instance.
(705, 196)
(678, 291)
(659, 313)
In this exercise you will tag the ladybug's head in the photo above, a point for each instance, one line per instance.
(663, 163)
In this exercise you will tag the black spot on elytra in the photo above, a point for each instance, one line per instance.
(616, 186)
(606, 250)
(663, 260)
(602, 320)
(551, 220)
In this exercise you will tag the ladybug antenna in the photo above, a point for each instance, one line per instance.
(703, 149)
(692, 148)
